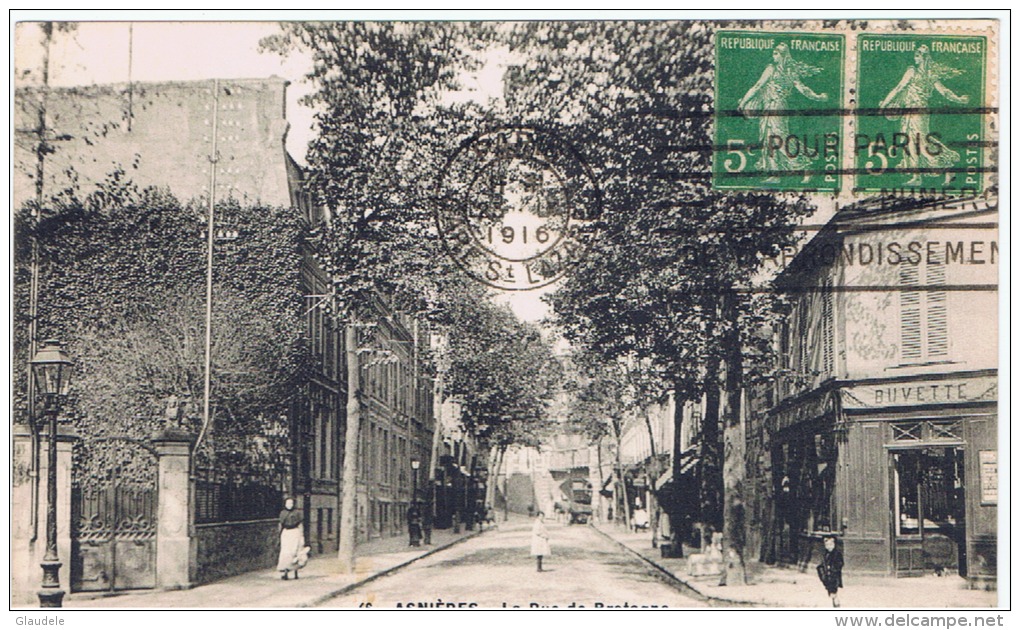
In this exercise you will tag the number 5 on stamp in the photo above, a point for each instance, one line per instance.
(778, 112)
(919, 123)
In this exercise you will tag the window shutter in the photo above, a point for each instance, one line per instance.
(938, 333)
(828, 330)
(910, 313)
(803, 347)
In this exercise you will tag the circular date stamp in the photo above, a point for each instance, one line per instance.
(517, 207)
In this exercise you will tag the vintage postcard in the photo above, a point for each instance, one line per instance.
(475, 313)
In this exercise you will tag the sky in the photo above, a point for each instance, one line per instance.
(114, 52)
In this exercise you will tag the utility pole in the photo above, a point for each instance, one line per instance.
(42, 148)
(131, 83)
(214, 158)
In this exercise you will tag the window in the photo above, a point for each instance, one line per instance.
(330, 359)
(366, 457)
(929, 490)
(317, 341)
(328, 439)
(930, 431)
(310, 319)
(906, 432)
(386, 458)
(923, 318)
(394, 462)
(323, 436)
(375, 454)
(316, 439)
(951, 430)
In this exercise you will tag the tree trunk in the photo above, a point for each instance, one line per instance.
(348, 507)
(506, 485)
(621, 484)
(711, 461)
(490, 486)
(598, 484)
(677, 519)
(733, 451)
(437, 438)
(496, 472)
(653, 473)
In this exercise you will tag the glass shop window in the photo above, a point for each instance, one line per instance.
(929, 490)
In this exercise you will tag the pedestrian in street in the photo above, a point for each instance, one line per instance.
(426, 522)
(540, 539)
(830, 571)
(292, 540)
(414, 524)
(639, 520)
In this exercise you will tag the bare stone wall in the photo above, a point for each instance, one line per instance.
(159, 134)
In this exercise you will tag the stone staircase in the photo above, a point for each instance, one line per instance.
(545, 490)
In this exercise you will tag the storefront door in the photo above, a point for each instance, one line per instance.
(928, 510)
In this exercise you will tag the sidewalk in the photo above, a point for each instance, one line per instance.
(319, 581)
(790, 588)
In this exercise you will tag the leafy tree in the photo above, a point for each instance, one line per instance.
(383, 133)
(501, 370)
(602, 398)
(665, 281)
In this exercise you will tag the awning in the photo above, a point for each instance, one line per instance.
(666, 476)
(688, 459)
(605, 484)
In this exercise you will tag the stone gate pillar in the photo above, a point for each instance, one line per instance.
(21, 517)
(176, 552)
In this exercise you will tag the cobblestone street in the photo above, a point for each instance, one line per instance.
(495, 570)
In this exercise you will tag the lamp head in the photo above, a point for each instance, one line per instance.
(51, 367)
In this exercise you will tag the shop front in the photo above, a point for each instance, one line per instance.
(902, 469)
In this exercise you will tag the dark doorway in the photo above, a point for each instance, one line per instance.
(928, 511)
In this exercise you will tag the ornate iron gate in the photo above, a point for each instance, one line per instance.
(113, 516)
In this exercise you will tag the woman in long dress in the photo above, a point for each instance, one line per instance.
(292, 539)
(914, 92)
(769, 99)
(540, 540)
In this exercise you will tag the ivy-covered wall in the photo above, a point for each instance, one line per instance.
(233, 548)
(122, 284)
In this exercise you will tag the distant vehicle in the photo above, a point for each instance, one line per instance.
(580, 500)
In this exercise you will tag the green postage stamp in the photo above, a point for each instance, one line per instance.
(854, 111)
(778, 110)
(919, 113)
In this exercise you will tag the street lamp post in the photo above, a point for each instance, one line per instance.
(52, 369)
(415, 465)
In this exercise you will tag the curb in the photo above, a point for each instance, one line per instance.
(684, 587)
(321, 599)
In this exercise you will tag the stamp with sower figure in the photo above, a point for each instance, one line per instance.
(919, 113)
(778, 119)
